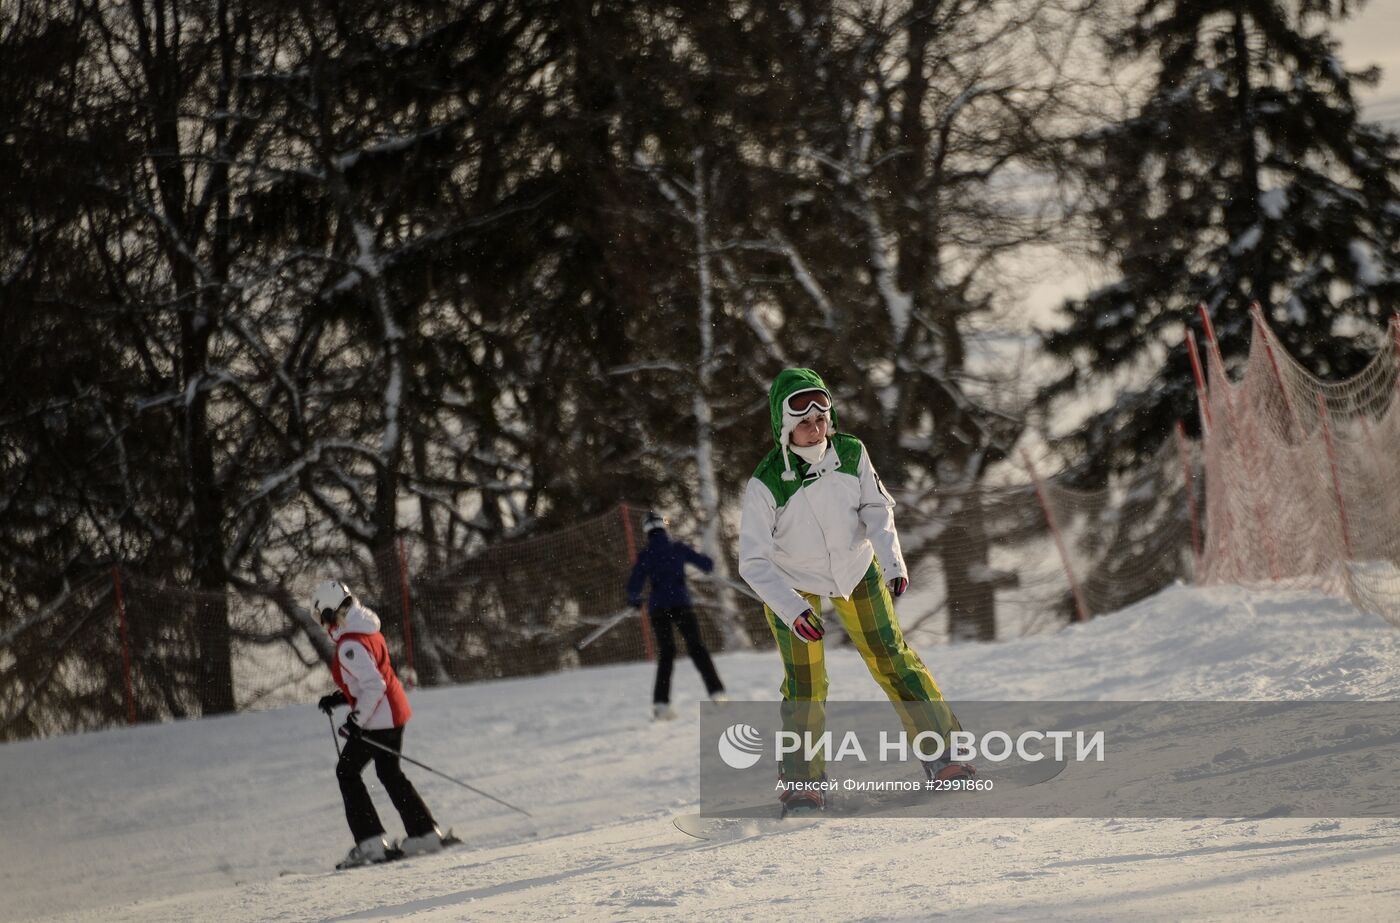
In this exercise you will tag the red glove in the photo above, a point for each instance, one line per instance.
(898, 585)
(805, 627)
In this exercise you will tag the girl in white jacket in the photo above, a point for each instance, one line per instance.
(818, 524)
(365, 680)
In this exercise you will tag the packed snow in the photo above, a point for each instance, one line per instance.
(239, 818)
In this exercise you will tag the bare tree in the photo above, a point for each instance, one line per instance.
(923, 172)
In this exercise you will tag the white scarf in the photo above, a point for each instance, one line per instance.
(811, 454)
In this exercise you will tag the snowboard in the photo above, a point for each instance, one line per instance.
(767, 817)
(395, 854)
(729, 829)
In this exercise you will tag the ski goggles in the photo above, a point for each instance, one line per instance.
(804, 402)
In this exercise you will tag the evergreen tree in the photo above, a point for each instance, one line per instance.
(1246, 175)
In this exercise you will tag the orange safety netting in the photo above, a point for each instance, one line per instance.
(1296, 475)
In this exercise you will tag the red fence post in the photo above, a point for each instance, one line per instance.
(407, 614)
(1258, 314)
(647, 642)
(1336, 475)
(1234, 426)
(1395, 335)
(1211, 342)
(126, 645)
(1081, 610)
(1214, 353)
(1189, 482)
(1202, 394)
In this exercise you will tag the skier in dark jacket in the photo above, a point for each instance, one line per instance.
(663, 563)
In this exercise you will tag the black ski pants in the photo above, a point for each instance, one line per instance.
(682, 619)
(359, 809)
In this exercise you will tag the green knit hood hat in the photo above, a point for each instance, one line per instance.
(788, 383)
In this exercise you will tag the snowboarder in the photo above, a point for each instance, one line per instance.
(663, 562)
(379, 712)
(817, 523)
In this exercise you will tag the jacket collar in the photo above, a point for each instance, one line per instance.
(358, 621)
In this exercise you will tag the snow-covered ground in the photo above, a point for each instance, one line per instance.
(239, 818)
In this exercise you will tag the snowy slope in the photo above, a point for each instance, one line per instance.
(238, 818)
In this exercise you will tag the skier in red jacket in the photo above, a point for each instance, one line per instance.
(379, 712)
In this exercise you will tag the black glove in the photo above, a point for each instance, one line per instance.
(329, 702)
(351, 729)
(635, 603)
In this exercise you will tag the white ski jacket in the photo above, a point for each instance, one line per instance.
(363, 675)
(818, 532)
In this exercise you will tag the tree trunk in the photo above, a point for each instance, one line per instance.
(964, 548)
(730, 624)
(965, 552)
(215, 669)
(161, 64)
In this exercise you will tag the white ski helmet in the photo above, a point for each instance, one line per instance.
(653, 521)
(327, 599)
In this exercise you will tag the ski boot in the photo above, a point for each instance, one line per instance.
(662, 711)
(803, 802)
(430, 842)
(948, 771)
(369, 851)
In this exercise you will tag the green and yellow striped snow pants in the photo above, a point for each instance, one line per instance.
(869, 618)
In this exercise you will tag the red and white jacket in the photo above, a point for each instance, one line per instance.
(363, 672)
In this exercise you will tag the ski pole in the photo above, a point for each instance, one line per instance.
(409, 759)
(334, 738)
(603, 629)
(732, 584)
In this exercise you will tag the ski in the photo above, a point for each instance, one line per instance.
(395, 854)
(727, 829)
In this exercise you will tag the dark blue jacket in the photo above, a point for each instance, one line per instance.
(663, 562)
